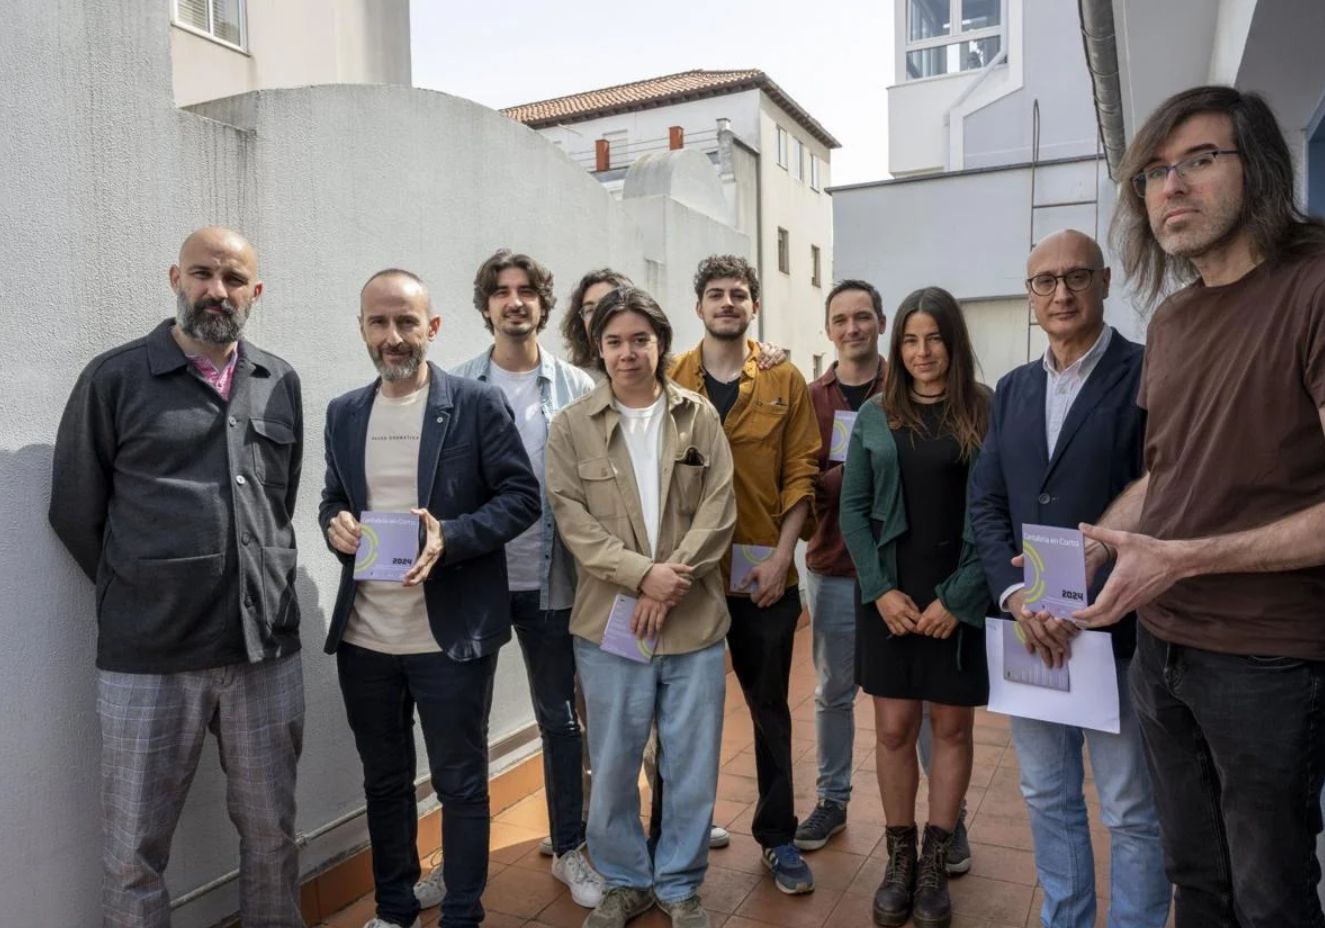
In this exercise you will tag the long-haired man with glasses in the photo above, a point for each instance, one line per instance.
(1065, 438)
(1220, 546)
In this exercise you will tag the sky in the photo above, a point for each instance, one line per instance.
(833, 57)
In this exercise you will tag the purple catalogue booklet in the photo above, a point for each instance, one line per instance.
(1054, 569)
(388, 545)
(618, 639)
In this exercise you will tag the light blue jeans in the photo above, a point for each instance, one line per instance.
(833, 627)
(685, 693)
(1050, 756)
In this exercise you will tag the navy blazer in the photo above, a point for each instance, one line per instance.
(474, 477)
(1099, 452)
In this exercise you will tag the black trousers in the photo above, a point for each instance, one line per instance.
(454, 699)
(1236, 745)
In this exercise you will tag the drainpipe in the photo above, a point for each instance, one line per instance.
(1099, 36)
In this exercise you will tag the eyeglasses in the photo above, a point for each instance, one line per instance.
(1077, 279)
(1187, 169)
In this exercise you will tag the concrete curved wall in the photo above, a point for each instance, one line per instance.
(103, 178)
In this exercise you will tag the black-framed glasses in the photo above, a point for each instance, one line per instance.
(1077, 279)
(1187, 169)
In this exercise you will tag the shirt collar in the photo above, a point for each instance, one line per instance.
(546, 364)
(1083, 365)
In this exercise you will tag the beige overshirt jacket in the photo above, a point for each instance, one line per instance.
(591, 486)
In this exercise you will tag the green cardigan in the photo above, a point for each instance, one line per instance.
(872, 492)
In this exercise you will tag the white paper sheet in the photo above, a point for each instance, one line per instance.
(1092, 702)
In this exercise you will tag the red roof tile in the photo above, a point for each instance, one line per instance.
(661, 91)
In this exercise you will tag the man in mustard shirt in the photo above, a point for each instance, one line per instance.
(769, 421)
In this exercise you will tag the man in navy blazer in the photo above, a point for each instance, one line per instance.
(447, 450)
(1065, 437)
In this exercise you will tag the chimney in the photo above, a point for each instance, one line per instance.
(676, 138)
(602, 155)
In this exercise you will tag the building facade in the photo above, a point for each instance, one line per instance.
(219, 48)
(977, 82)
(1006, 122)
(773, 159)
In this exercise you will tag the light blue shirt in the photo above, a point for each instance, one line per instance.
(1061, 388)
(558, 384)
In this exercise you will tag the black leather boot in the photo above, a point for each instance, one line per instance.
(933, 905)
(892, 900)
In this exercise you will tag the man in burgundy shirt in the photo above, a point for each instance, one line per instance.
(1220, 546)
(854, 322)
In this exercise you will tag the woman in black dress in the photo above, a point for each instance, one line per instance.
(920, 612)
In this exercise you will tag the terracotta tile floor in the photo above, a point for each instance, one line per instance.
(999, 892)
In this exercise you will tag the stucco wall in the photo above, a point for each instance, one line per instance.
(103, 178)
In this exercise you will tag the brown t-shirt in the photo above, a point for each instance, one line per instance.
(1233, 380)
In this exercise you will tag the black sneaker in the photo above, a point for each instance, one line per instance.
(959, 850)
(827, 819)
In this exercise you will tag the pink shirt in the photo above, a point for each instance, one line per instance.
(218, 380)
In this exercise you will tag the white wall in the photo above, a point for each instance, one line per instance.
(792, 306)
(103, 179)
(292, 43)
(970, 234)
(1053, 71)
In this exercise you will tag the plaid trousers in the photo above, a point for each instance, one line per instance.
(152, 731)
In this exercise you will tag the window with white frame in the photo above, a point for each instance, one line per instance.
(815, 278)
(798, 159)
(815, 182)
(784, 251)
(222, 20)
(784, 146)
(949, 36)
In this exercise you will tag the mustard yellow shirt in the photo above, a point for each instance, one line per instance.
(775, 447)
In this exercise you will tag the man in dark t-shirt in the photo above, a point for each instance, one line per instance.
(1220, 546)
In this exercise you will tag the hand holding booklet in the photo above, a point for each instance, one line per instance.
(618, 639)
(744, 560)
(388, 545)
(1054, 569)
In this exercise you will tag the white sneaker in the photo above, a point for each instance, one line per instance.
(378, 923)
(430, 891)
(586, 886)
(719, 836)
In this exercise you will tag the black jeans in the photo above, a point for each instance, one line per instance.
(549, 660)
(1236, 746)
(454, 699)
(760, 641)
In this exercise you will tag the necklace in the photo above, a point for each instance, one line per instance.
(928, 396)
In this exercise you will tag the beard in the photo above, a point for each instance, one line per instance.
(198, 322)
(399, 368)
(1214, 225)
(727, 334)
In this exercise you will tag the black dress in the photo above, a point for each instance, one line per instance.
(917, 666)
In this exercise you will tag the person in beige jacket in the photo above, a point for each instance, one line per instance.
(639, 475)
